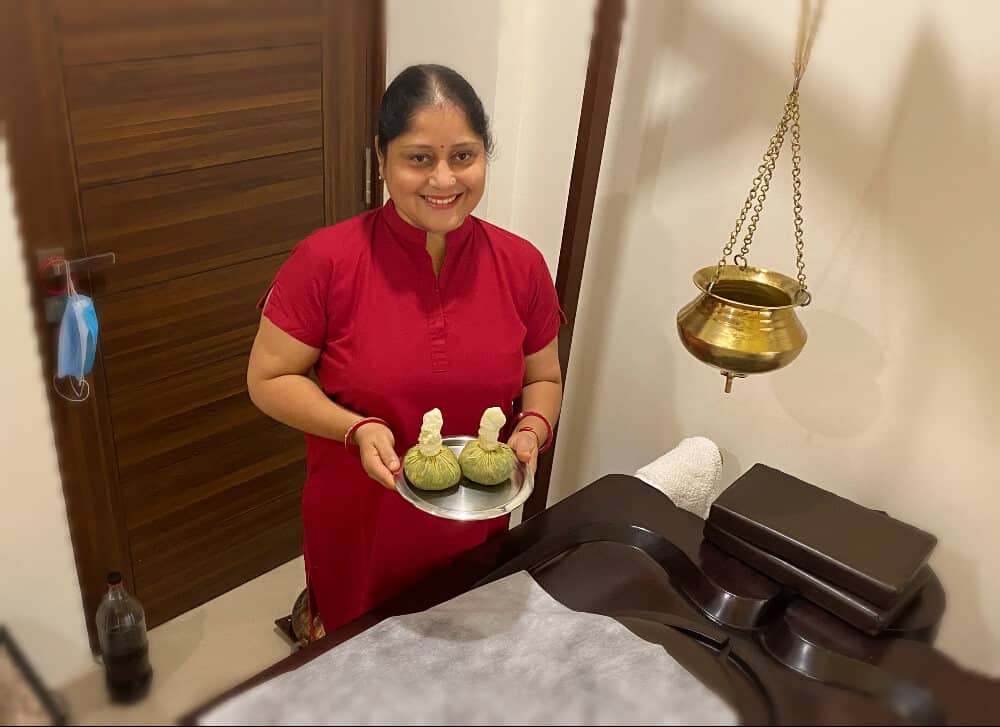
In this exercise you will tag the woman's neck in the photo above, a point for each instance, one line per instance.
(436, 249)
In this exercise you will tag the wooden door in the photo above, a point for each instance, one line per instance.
(198, 140)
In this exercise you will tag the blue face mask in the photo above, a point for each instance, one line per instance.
(77, 343)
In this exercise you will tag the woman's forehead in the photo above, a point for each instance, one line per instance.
(405, 145)
(439, 127)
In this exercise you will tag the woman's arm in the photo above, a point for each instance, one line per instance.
(278, 383)
(542, 392)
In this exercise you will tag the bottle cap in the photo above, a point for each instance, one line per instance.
(114, 578)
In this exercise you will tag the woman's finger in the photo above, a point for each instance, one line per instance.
(377, 470)
(387, 454)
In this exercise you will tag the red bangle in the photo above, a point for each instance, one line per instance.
(358, 424)
(548, 427)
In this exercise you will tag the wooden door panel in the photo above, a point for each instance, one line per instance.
(161, 331)
(180, 569)
(199, 140)
(174, 419)
(117, 30)
(180, 224)
(134, 119)
(228, 477)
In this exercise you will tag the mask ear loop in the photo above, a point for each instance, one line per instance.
(78, 384)
(70, 289)
(81, 387)
(81, 390)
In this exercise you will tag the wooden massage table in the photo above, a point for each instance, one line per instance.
(620, 548)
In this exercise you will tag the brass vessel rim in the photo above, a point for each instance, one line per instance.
(703, 279)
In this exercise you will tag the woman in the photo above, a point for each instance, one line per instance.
(400, 310)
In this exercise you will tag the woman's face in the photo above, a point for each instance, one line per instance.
(436, 170)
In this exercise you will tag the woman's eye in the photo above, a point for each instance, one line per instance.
(464, 156)
(418, 158)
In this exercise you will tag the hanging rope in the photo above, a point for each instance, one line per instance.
(809, 16)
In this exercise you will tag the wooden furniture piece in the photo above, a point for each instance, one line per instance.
(620, 548)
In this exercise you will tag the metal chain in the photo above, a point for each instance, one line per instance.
(797, 204)
(767, 169)
(751, 197)
(770, 156)
(758, 194)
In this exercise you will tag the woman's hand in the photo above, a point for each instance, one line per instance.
(378, 456)
(525, 446)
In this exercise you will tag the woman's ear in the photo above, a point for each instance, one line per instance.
(381, 159)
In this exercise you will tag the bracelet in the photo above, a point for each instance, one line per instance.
(360, 423)
(548, 427)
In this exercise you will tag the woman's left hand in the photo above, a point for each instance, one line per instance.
(525, 446)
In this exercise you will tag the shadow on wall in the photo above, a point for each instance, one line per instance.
(922, 221)
(832, 388)
(941, 195)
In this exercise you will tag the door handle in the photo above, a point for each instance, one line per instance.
(53, 267)
(368, 176)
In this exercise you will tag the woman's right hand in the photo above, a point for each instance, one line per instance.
(378, 456)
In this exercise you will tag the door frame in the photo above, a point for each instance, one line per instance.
(595, 110)
(34, 115)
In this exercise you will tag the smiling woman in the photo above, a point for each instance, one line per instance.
(433, 155)
(401, 310)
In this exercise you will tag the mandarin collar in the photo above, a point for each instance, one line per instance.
(410, 235)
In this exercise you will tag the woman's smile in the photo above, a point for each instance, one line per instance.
(442, 203)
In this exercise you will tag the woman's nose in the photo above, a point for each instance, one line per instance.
(442, 176)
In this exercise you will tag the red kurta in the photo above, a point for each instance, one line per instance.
(395, 342)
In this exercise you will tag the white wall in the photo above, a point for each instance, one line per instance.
(543, 51)
(41, 601)
(893, 402)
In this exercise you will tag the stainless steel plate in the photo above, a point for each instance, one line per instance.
(467, 500)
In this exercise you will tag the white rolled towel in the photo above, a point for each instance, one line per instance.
(690, 474)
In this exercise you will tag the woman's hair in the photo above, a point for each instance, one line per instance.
(419, 86)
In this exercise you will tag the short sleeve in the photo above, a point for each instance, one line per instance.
(543, 316)
(297, 300)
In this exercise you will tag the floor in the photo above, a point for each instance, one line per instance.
(199, 654)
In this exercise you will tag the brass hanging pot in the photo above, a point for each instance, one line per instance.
(744, 322)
